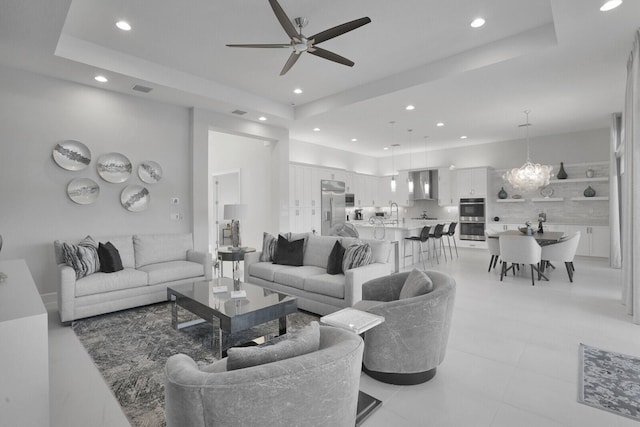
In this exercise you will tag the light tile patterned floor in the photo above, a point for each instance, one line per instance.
(512, 358)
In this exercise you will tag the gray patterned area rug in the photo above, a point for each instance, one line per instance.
(610, 381)
(131, 347)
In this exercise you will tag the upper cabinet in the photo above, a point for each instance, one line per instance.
(446, 187)
(402, 196)
(471, 183)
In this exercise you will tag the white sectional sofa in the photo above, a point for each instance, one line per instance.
(316, 290)
(151, 263)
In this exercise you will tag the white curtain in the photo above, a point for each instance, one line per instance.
(615, 258)
(630, 174)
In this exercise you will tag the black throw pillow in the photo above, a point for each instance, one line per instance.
(110, 260)
(334, 264)
(289, 253)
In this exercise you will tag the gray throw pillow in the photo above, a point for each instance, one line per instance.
(417, 283)
(269, 245)
(356, 256)
(294, 344)
(83, 257)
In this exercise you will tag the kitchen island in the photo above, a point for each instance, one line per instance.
(394, 231)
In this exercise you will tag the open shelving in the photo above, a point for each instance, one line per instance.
(547, 199)
(568, 180)
(589, 199)
(510, 200)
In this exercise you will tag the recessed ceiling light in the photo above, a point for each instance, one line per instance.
(123, 25)
(316, 129)
(297, 91)
(477, 23)
(439, 124)
(262, 118)
(101, 79)
(611, 4)
(463, 137)
(354, 139)
(385, 148)
(409, 107)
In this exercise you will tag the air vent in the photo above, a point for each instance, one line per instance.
(141, 88)
(239, 112)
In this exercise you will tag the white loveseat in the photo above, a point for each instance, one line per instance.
(316, 290)
(151, 263)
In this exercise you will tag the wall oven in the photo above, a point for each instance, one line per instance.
(472, 219)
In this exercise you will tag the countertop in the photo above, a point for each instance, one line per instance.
(408, 224)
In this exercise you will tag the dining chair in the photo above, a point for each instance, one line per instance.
(493, 243)
(563, 251)
(437, 234)
(451, 234)
(520, 250)
(421, 240)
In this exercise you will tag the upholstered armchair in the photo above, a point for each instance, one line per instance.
(412, 341)
(319, 388)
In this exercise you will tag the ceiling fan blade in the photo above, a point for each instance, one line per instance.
(275, 45)
(338, 30)
(292, 60)
(286, 23)
(323, 53)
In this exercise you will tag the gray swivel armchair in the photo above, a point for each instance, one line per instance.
(409, 345)
(315, 389)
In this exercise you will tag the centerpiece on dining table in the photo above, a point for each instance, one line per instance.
(527, 229)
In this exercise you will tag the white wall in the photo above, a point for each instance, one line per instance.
(304, 152)
(249, 155)
(579, 147)
(37, 112)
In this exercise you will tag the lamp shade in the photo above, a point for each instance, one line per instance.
(235, 211)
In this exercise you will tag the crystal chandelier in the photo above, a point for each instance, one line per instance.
(529, 176)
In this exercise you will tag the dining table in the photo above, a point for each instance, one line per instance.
(546, 238)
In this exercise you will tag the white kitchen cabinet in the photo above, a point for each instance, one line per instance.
(497, 227)
(349, 182)
(359, 190)
(371, 191)
(445, 190)
(594, 239)
(471, 183)
(402, 196)
(384, 196)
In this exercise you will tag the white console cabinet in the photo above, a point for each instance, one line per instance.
(24, 352)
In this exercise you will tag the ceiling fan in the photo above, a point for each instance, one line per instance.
(300, 43)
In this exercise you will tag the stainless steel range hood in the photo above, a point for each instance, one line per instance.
(425, 180)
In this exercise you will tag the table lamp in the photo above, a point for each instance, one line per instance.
(235, 213)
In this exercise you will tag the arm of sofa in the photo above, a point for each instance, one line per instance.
(356, 277)
(66, 292)
(204, 258)
(250, 258)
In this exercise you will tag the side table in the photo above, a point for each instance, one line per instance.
(234, 255)
(356, 321)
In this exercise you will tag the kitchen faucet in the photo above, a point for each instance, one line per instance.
(397, 213)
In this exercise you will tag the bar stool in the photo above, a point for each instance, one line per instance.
(451, 234)
(437, 235)
(421, 239)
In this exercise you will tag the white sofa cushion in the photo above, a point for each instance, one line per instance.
(98, 283)
(124, 245)
(155, 248)
(172, 270)
(295, 276)
(265, 270)
(318, 249)
(326, 284)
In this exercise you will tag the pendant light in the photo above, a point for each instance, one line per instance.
(410, 180)
(529, 176)
(393, 148)
(426, 182)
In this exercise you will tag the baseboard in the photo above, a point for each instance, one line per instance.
(50, 300)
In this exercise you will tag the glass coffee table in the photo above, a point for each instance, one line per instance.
(236, 308)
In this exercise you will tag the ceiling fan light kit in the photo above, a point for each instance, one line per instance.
(300, 43)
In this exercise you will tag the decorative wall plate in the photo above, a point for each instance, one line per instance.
(72, 155)
(114, 167)
(135, 198)
(546, 192)
(150, 172)
(83, 191)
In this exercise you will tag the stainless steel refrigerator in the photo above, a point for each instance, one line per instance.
(332, 205)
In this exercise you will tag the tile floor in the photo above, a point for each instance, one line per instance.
(512, 358)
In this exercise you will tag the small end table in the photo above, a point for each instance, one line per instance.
(234, 255)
